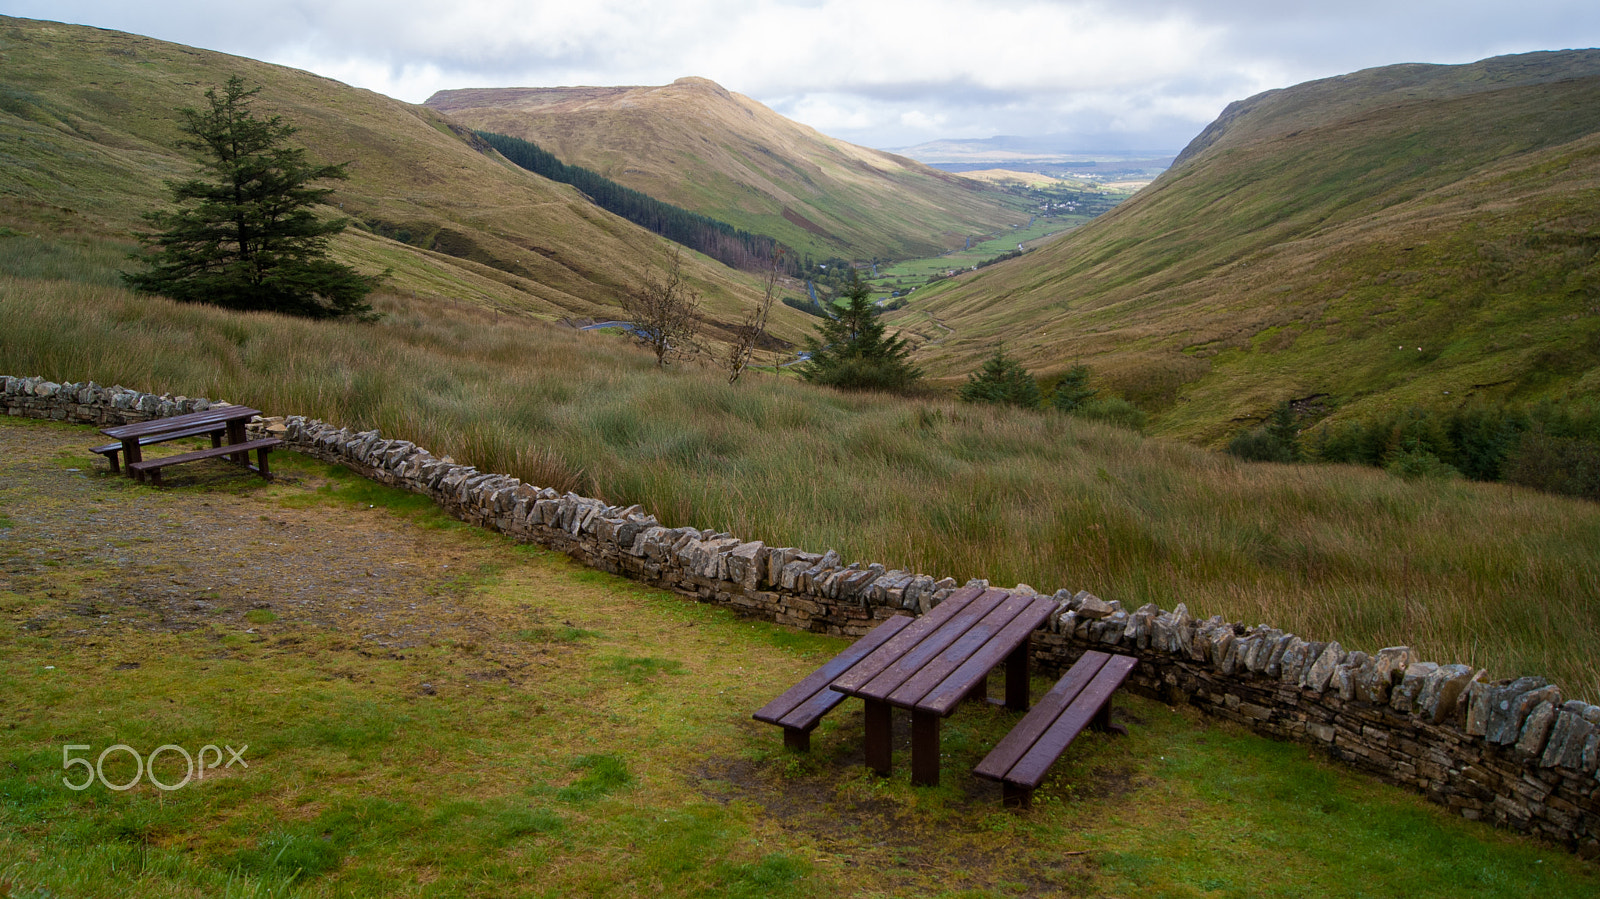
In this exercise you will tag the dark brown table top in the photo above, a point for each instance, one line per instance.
(218, 415)
(935, 661)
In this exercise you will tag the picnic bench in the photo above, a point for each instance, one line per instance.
(927, 665)
(218, 421)
(112, 450)
(800, 709)
(1082, 698)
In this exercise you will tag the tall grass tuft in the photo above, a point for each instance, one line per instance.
(1489, 574)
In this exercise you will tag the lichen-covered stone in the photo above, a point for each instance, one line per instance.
(1093, 607)
(1404, 696)
(1565, 745)
(1536, 729)
(1509, 706)
(1320, 672)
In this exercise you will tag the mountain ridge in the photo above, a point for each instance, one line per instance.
(700, 146)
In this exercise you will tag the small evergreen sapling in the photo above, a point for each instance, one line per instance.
(852, 351)
(1002, 380)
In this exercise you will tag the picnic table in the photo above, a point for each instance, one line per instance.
(217, 422)
(928, 665)
(932, 664)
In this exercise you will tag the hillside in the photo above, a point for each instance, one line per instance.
(721, 154)
(89, 131)
(1404, 235)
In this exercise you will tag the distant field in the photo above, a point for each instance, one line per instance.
(914, 272)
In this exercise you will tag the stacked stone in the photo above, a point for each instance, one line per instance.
(88, 402)
(1509, 751)
(809, 590)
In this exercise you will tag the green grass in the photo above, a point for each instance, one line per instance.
(914, 272)
(580, 779)
(1329, 552)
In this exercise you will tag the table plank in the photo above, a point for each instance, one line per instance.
(948, 694)
(936, 670)
(219, 415)
(858, 676)
(933, 642)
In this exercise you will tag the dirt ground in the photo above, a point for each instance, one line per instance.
(216, 546)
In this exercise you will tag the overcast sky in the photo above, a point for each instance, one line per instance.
(1127, 74)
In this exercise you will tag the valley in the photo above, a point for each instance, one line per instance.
(434, 709)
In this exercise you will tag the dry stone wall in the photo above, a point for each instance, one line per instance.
(1512, 752)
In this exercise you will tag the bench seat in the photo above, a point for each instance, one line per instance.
(152, 467)
(112, 450)
(1082, 698)
(801, 707)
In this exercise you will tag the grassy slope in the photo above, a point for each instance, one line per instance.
(1329, 552)
(1314, 230)
(88, 132)
(722, 154)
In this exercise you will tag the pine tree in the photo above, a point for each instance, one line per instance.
(1003, 380)
(851, 350)
(244, 236)
(1073, 390)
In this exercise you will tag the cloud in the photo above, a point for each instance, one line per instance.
(882, 72)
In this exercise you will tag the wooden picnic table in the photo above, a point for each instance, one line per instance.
(217, 421)
(931, 664)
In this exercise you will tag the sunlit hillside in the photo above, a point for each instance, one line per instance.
(89, 130)
(1411, 235)
(724, 155)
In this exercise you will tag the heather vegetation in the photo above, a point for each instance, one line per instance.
(1488, 574)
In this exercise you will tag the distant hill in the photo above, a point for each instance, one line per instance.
(1404, 235)
(694, 144)
(89, 130)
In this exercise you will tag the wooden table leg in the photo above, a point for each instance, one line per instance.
(1017, 678)
(130, 454)
(924, 748)
(236, 434)
(879, 730)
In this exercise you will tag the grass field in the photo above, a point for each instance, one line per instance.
(914, 272)
(1479, 573)
(544, 730)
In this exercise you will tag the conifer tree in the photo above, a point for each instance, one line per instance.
(1002, 380)
(1073, 390)
(852, 351)
(244, 235)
